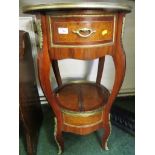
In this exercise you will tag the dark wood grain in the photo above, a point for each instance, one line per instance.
(100, 69)
(29, 102)
(57, 72)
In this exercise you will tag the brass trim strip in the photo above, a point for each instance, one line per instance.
(85, 15)
(123, 26)
(55, 132)
(106, 143)
(40, 33)
(82, 46)
(82, 81)
(82, 114)
(76, 5)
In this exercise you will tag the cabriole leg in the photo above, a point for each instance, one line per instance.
(58, 137)
(106, 135)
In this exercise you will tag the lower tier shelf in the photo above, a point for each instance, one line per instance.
(82, 97)
(82, 106)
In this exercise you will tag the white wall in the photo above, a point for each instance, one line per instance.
(81, 69)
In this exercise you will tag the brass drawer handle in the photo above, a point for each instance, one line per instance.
(84, 30)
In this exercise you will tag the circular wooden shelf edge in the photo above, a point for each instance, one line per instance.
(82, 98)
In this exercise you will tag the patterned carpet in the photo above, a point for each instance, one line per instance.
(120, 142)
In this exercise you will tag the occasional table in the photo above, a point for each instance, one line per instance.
(83, 31)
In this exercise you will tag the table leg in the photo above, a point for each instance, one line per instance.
(120, 66)
(107, 132)
(58, 137)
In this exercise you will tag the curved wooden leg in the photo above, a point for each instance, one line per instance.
(120, 66)
(58, 137)
(44, 65)
(107, 132)
(119, 61)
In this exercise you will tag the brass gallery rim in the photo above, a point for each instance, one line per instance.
(83, 113)
(76, 5)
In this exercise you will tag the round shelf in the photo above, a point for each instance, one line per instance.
(82, 97)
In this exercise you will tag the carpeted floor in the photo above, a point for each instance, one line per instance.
(120, 142)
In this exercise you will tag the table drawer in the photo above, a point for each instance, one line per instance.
(82, 121)
(81, 30)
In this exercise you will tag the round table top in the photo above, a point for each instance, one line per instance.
(107, 6)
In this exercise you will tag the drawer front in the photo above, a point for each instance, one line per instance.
(81, 30)
(81, 121)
